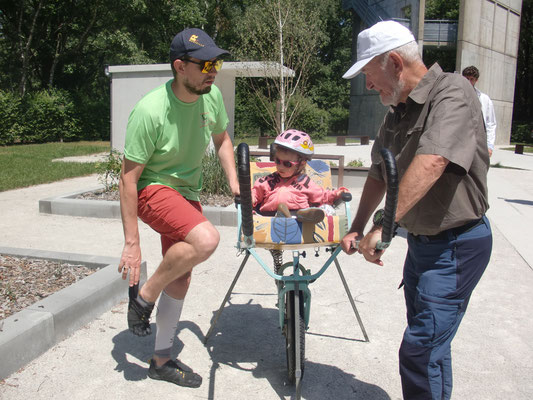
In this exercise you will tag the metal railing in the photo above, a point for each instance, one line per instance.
(437, 32)
(440, 32)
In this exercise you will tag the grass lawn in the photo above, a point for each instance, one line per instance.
(28, 165)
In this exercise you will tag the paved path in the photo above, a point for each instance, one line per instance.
(246, 358)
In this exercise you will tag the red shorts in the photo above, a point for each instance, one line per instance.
(168, 213)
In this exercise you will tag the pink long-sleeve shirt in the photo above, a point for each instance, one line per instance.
(297, 192)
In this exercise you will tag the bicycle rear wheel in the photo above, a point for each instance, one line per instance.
(291, 319)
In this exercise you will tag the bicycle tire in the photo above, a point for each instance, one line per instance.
(290, 338)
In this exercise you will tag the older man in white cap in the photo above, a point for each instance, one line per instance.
(434, 127)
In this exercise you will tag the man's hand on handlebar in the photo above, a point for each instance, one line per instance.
(367, 246)
(350, 242)
(354, 242)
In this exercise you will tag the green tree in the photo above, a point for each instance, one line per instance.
(328, 90)
(442, 9)
(66, 44)
(523, 98)
(281, 34)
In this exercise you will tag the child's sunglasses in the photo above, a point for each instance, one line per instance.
(286, 164)
(207, 66)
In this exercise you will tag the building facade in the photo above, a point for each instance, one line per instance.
(486, 36)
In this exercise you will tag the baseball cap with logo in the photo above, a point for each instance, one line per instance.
(195, 43)
(376, 40)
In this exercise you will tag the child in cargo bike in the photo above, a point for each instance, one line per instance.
(289, 191)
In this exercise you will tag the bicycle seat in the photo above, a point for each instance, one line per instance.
(287, 233)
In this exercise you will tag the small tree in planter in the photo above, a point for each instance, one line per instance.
(109, 170)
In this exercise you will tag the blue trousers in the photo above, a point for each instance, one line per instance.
(439, 277)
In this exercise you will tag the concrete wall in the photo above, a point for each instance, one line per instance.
(366, 110)
(129, 83)
(488, 38)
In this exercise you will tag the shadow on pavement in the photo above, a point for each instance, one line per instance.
(247, 337)
(142, 348)
(518, 201)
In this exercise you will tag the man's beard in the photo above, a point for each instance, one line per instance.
(194, 90)
(394, 98)
(398, 86)
(396, 94)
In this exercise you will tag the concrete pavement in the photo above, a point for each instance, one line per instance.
(246, 358)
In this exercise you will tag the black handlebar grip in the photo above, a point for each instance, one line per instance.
(272, 151)
(346, 197)
(392, 195)
(243, 170)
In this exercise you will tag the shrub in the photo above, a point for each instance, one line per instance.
(522, 132)
(10, 112)
(311, 119)
(215, 181)
(214, 178)
(49, 116)
(109, 170)
(355, 163)
(93, 116)
(338, 121)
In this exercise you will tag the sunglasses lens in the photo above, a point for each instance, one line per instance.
(286, 164)
(208, 66)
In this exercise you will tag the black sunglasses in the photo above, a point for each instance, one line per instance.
(286, 164)
(207, 66)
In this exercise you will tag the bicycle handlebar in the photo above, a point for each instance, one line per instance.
(391, 200)
(243, 168)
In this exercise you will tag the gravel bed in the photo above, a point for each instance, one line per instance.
(25, 281)
(206, 199)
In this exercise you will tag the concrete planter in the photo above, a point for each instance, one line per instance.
(32, 331)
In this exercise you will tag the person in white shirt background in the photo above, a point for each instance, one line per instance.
(472, 74)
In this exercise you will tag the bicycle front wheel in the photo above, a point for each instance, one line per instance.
(291, 319)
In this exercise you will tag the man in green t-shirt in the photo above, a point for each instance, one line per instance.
(168, 133)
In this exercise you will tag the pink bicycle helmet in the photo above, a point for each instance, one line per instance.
(297, 141)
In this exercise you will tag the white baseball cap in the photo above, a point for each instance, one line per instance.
(376, 40)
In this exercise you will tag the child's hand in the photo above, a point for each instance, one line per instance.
(340, 191)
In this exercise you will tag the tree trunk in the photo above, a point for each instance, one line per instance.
(25, 47)
(281, 77)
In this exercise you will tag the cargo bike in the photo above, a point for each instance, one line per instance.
(278, 234)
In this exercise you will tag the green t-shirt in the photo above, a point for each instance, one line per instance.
(170, 137)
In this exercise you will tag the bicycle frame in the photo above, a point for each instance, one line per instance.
(300, 276)
(294, 310)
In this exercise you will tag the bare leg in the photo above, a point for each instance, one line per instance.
(174, 271)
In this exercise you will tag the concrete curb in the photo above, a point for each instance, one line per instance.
(68, 204)
(32, 331)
